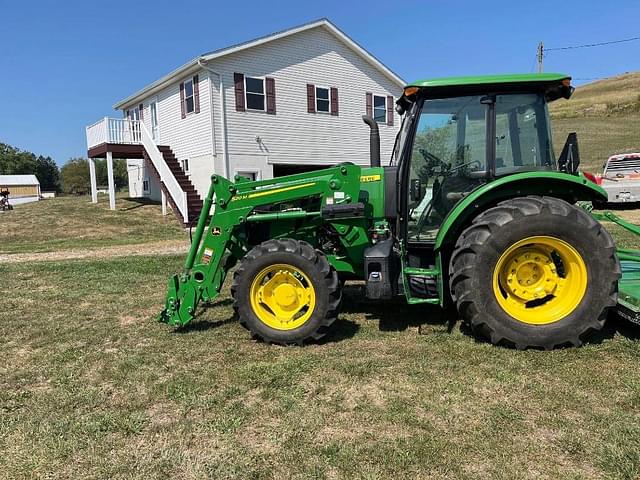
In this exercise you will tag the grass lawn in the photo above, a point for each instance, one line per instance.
(74, 222)
(605, 115)
(598, 137)
(92, 387)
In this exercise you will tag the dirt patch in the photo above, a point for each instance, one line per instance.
(165, 247)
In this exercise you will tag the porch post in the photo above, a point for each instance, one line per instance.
(164, 201)
(94, 186)
(112, 187)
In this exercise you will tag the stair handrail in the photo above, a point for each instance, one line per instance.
(178, 195)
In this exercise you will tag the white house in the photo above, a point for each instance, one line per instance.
(285, 103)
(22, 188)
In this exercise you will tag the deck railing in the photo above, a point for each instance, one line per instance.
(114, 130)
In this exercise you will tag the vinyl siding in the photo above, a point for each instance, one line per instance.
(188, 137)
(291, 136)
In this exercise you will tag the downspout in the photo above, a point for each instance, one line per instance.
(223, 118)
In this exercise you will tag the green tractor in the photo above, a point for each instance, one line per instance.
(473, 209)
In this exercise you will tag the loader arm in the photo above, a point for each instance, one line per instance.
(216, 250)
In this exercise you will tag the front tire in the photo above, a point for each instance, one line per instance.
(286, 292)
(534, 272)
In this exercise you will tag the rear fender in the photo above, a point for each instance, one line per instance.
(571, 188)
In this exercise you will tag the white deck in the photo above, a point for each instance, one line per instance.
(114, 130)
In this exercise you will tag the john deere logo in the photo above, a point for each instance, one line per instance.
(215, 231)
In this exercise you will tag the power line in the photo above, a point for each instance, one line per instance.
(589, 45)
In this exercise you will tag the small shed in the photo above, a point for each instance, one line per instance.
(22, 188)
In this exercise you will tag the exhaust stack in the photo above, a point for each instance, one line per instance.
(374, 140)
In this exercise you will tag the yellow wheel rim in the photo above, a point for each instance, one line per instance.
(282, 297)
(540, 280)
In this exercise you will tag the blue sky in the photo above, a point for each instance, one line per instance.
(63, 64)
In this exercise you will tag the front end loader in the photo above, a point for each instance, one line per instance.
(474, 209)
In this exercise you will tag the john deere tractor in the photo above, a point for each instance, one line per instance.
(474, 209)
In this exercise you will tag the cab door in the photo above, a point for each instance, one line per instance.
(448, 159)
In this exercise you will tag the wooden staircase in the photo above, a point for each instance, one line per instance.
(194, 202)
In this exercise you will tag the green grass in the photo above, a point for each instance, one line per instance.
(74, 222)
(598, 137)
(612, 96)
(92, 387)
(605, 115)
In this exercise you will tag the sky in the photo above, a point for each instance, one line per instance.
(63, 64)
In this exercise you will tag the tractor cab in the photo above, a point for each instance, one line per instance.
(460, 133)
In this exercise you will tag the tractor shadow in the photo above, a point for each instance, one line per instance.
(396, 315)
(614, 326)
(199, 324)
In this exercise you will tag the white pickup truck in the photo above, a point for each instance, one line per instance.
(621, 178)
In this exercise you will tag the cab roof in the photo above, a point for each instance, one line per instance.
(513, 79)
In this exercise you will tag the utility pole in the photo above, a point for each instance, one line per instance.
(540, 56)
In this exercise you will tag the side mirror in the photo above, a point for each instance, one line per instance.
(416, 192)
(570, 157)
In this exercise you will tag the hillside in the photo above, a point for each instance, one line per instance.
(605, 115)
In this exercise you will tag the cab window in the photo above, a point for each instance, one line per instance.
(448, 160)
(523, 139)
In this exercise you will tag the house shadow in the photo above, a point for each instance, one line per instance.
(138, 202)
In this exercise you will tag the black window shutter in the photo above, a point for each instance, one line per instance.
(183, 112)
(196, 95)
(141, 110)
(370, 104)
(270, 87)
(311, 98)
(390, 110)
(238, 80)
(334, 101)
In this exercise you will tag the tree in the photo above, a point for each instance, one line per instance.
(19, 162)
(120, 177)
(75, 176)
(48, 174)
(16, 162)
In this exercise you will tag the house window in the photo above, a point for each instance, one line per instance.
(185, 164)
(380, 109)
(145, 186)
(189, 100)
(322, 99)
(254, 90)
(251, 176)
(133, 114)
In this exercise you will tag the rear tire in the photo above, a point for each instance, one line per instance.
(574, 276)
(286, 292)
